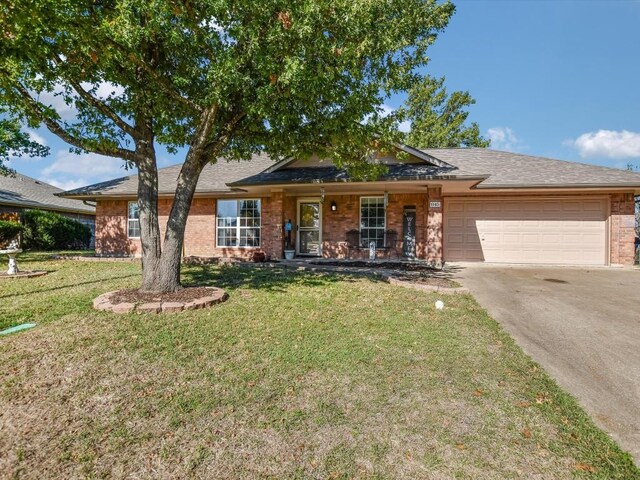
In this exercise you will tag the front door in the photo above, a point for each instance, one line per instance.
(309, 228)
(409, 232)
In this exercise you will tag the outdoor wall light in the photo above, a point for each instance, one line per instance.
(334, 206)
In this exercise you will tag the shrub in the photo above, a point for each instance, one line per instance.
(52, 231)
(9, 230)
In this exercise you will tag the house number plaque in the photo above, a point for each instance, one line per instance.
(435, 204)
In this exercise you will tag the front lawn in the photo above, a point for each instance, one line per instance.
(297, 375)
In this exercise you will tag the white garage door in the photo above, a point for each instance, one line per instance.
(568, 231)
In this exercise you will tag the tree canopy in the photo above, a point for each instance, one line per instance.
(14, 142)
(439, 120)
(223, 78)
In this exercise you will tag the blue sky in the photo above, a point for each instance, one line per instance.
(552, 78)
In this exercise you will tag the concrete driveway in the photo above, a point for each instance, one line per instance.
(582, 325)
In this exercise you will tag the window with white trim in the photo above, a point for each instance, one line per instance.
(133, 220)
(372, 221)
(238, 223)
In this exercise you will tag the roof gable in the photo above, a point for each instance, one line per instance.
(414, 156)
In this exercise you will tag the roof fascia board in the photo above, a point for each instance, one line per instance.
(617, 185)
(42, 206)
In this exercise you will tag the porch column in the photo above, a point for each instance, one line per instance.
(434, 226)
(272, 226)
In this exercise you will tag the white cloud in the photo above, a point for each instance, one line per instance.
(386, 110)
(104, 90)
(65, 184)
(88, 164)
(36, 137)
(608, 144)
(503, 138)
(405, 126)
(55, 99)
(69, 170)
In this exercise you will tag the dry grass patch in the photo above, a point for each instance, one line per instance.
(298, 375)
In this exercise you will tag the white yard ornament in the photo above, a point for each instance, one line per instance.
(439, 305)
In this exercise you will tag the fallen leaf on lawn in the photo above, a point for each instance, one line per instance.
(478, 393)
(460, 446)
(523, 404)
(543, 397)
(585, 467)
(502, 383)
(526, 433)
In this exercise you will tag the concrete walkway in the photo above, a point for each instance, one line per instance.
(582, 325)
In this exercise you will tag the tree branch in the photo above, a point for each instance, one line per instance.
(166, 84)
(223, 138)
(57, 129)
(99, 104)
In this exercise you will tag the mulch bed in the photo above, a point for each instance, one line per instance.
(402, 266)
(133, 300)
(133, 295)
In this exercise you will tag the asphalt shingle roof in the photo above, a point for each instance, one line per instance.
(22, 191)
(214, 178)
(492, 168)
(506, 169)
(409, 171)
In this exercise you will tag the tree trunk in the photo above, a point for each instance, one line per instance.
(149, 225)
(169, 274)
(161, 264)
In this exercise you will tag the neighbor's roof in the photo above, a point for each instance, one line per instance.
(26, 192)
(492, 169)
(514, 170)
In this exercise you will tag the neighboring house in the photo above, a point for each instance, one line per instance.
(444, 204)
(19, 193)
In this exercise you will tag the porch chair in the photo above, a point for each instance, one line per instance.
(353, 241)
(390, 243)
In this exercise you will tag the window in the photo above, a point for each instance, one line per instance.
(133, 222)
(372, 221)
(238, 223)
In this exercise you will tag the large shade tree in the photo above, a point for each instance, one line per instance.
(439, 119)
(222, 78)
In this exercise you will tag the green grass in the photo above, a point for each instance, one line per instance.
(297, 375)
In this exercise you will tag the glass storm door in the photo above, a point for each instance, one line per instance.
(309, 234)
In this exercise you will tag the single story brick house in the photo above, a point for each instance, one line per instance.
(438, 205)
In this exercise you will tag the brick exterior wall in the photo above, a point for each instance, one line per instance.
(622, 229)
(111, 229)
(434, 228)
(200, 235)
(336, 224)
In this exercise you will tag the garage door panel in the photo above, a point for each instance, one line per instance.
(570, 231)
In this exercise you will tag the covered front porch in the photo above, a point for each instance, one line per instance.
(342, 222)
